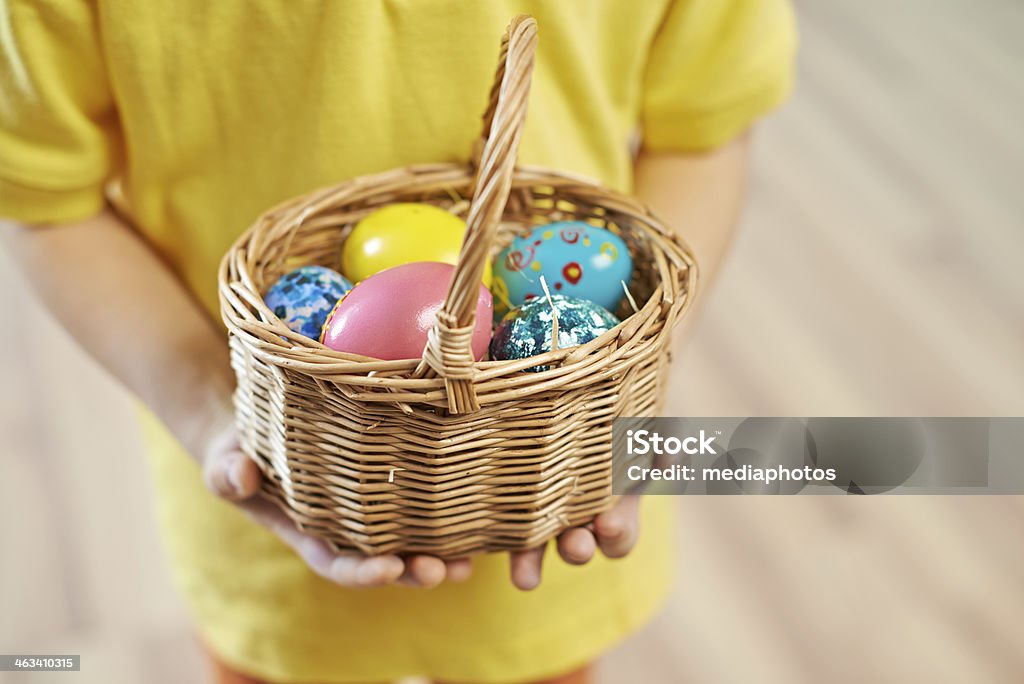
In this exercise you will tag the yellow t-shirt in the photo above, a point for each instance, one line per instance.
(207, 113)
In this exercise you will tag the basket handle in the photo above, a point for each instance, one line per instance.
(448, 353)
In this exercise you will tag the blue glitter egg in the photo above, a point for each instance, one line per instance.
(526, 330)
(575, 258)
(303, 298)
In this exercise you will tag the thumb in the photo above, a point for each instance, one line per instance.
(229, 473)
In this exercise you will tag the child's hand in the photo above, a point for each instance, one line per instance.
(232, 475)
(614, 532)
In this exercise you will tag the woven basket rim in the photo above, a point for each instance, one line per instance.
(279, 345)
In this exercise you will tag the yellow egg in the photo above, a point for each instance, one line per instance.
(400, 234)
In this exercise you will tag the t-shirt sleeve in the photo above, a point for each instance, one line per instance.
(714, 67)
(58, 125)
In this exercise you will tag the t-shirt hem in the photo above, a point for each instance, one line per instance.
(32, 205)
(704, 132)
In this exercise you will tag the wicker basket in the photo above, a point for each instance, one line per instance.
(445, 455)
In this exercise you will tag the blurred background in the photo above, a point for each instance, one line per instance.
(878, 272)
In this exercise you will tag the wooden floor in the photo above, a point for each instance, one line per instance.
(878, 272)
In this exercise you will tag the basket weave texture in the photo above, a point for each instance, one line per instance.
(446, 455)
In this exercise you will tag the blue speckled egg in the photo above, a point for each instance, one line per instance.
(526, 330)
(302, 298)
(576, 259)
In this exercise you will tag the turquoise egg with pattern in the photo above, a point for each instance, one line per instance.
(575, 258)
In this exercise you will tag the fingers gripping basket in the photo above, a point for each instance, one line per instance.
(444, 455)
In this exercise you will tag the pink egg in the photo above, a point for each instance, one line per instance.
(388, 315)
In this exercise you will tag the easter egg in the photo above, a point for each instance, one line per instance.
(388, 315)
(303, 298)
(526, 330)
(400, 234)
(575, 258)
